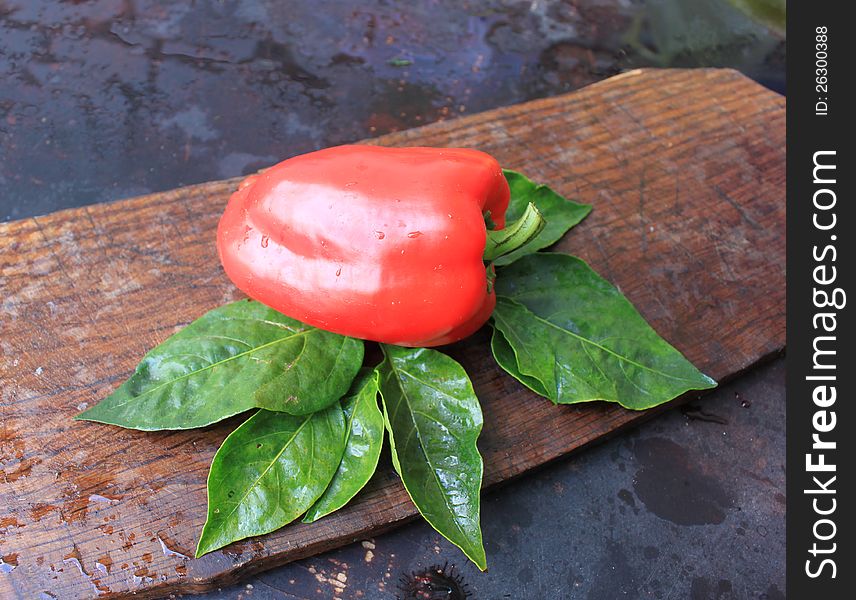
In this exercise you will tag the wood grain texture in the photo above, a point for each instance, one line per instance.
(685, 170)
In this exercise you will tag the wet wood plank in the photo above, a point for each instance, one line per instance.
(686, 173)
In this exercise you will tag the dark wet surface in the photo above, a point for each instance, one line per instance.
(695, 497)
(106, 99)
(113, 98)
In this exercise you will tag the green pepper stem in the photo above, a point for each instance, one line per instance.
(515, 235)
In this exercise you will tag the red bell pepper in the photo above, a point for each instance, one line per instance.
(384, 244)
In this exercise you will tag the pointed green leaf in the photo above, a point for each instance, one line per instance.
(364, 439)
(559, 213)
(434, 419)
(573, 333)
(268, 472)
(233, 358)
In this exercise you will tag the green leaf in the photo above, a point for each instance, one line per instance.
(574, 334)
(434, 419)
(560, 214)
(364, 439)
(236, 357)
(268, 472)
(505, 358)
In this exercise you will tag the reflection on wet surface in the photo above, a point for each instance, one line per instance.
(112, 98)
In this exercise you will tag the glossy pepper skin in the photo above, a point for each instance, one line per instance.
(376, 243)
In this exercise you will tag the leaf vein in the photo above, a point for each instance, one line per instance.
(446, 500)
(212, 365)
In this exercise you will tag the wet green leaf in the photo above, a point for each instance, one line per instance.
(268, 472)
(233, 358)
(434, 419)
(575, 337)
(560, 214)
(364, 431)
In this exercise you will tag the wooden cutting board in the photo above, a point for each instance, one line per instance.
(686, 172)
